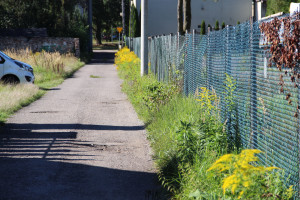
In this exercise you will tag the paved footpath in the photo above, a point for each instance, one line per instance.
(82, 140)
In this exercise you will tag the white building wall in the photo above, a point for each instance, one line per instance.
(163, 13)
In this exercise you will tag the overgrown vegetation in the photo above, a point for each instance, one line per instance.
(191, 147)
(276, 6)
(50, 69)
(62, 18)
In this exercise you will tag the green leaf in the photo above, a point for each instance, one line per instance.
(195, 194)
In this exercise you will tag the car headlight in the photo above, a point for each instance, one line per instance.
(21, 65)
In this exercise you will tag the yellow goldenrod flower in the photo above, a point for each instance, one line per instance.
(241, 194)
(239, 170)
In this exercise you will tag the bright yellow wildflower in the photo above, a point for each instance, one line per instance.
(222, 163)
(207, 98)
(239, 171)
(230, 182)
(126, 58)
(241, 194)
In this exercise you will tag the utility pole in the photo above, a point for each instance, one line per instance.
(90, 27)
(254, 10)
(124, 17)
(144, 38)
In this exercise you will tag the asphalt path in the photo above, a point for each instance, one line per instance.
(82, 140)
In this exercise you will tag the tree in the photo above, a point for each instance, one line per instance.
(134, 23)
(203, 28)
(187, 15)
(125, 16)
(98, 17)
(61, 17)
(275, 6)
(223, 25)
(106, 14)
(180, 17)
(184, 16)
(217, 27)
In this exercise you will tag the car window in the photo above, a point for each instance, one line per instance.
(1, 60)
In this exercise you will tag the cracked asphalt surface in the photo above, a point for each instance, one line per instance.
(82, 140)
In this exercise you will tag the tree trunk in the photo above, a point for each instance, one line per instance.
(99, 35)
(187, 15)
(124, 16)
(180, 17)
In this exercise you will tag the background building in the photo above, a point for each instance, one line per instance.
(162, 17)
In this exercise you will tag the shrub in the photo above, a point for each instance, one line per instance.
(203, 28)
(223, 25)
(217, 26)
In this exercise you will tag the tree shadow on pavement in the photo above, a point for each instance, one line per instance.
(100, 57)
(41, 165)
(9, 127)
(43, 179)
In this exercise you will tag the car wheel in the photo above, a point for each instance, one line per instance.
(10, 79)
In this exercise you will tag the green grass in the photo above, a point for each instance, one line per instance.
(13, 98)
(93, 76)
(107, 46)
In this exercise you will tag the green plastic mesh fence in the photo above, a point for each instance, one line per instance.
(257, 114)
(134, 44)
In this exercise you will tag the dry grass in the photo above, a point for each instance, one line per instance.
(54, 61)
(12, 96)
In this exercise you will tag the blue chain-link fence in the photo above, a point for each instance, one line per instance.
(260, 118)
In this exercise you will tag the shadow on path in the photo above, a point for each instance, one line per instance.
(43, 179)
(41, 165)
(10, 127)
(106, 57)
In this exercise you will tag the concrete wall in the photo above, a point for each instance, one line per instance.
(60, 44)
(163, 13)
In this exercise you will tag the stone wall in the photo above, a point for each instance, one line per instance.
(61, 44)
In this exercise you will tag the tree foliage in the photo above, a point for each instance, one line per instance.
(106, 15)
(203, 28)
(275, 6)
(125, 15)
(223, 25)
(284, 50)
(217, 26)
(63, 18)
(134, 27)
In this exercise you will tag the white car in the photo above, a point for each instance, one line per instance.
(14, 71)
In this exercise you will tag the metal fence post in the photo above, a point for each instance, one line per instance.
(253, 94)
(298, 139)
(144, 38)
(171, 70)
(208, 59)
(185, 70)
(193, 74)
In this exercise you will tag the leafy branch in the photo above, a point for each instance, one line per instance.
(284, 48)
